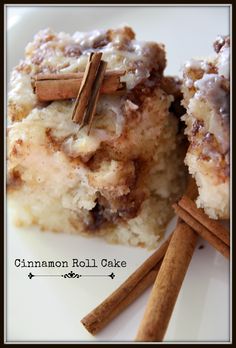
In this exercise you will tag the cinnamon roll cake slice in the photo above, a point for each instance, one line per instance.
(119, 181)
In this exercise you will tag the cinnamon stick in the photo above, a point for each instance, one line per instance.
(82, 99)
(110, 74)
(91, 322)
(94, 95)
(169, 279)
(126, 293)
(212, 225)
(167, 285)
(51, 87)
(212, 238)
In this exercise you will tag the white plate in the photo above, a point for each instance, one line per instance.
(50, 308)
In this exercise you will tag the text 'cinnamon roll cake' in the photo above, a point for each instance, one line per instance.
(206, 89)
(118, 181)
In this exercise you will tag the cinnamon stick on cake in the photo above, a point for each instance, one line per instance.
(114, 166)
(51, 87)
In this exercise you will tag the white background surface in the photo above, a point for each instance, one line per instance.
(50, 309)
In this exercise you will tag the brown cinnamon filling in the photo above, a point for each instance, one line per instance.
(206, 148)
(15, 180)
(113, 210)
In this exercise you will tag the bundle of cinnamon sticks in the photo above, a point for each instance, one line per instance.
(166, 268)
